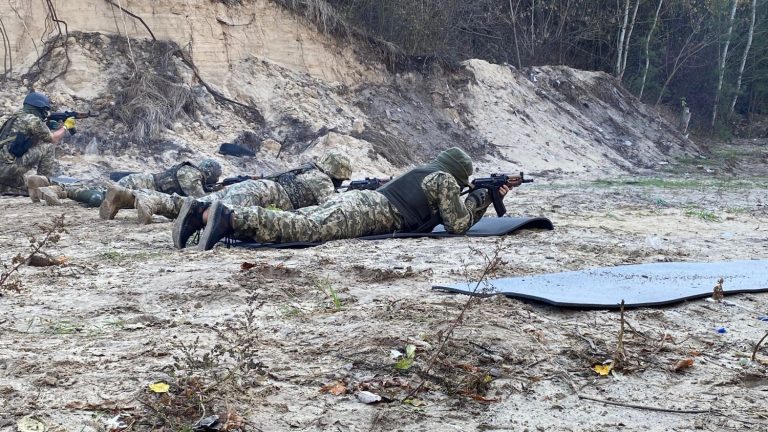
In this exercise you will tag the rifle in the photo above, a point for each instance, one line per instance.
(214, 187)
(55, 118)
(367, 184)
(493, 183)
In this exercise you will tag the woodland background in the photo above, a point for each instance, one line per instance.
(708, 54)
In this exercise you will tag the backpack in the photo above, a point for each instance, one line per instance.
(18, 143)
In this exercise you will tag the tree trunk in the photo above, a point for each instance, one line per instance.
(626, 42)
(647, 49)
(687, 51)
(533, 28)
(513, 14)
(620, 45)
(744, 57)
(721, 66)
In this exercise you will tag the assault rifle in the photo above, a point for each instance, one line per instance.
(368, 184)
(55, 118)
(493, 183)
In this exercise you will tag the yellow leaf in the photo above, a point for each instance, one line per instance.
(159, 387)
(410, 351)
(603, 369)
(414, 402)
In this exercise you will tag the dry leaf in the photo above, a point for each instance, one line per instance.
(247, 265)
(682, 364)
(717, 291)
(603, 369)
(45, 260)
(335, 389)
(159, 387)
(479, 398)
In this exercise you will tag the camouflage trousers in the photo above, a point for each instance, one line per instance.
(138, 181)
(262, 193)
(13, 170)
(163, 204)
(348, 215)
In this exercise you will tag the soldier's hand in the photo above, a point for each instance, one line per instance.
(503, 189)
(514, 181)
(69, 123)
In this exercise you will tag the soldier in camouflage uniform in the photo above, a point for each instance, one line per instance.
(308, 185)
(182, 180)
(416, 201)
(26, 143)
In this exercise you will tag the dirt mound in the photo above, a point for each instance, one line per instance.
(558, 118)
(168, 99)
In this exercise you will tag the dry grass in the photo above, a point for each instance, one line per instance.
(153, 97)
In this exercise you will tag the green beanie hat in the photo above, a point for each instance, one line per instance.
(455, 162)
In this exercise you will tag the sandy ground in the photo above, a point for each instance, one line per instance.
(81, 342)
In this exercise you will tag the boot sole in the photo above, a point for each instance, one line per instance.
(214, 219)
(179, 222)
(189, 209)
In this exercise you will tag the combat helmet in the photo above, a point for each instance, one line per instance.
(211, 170)
(38, 100)
(37, 104)
(336, 165)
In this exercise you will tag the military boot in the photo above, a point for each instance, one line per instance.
(52, 194)
(188, 222)
(117, 198)
(219, 225)
(34, 183)
(148, 205)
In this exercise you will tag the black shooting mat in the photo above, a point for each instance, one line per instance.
(638, 285)
(486, 227)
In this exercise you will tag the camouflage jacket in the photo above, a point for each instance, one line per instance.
(456, 213)
(319, 184)
(191, 181)
(39, 157)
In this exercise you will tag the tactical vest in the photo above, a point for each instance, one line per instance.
(168, 182)
(407, 196)
(298, 192)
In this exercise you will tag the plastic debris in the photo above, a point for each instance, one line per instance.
(721, 330)
(29, 424)
(367, 397)
(115, 423)
(210, 423)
